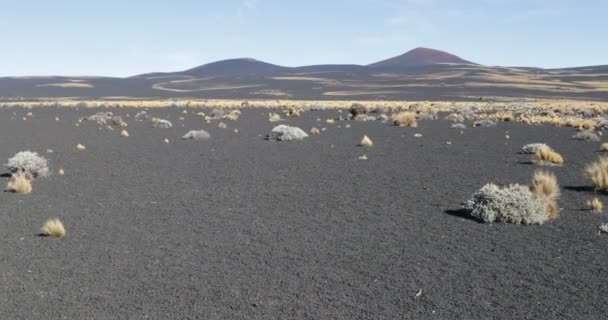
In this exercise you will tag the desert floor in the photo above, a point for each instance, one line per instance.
(237, 227)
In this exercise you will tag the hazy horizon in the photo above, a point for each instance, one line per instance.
(123, 39)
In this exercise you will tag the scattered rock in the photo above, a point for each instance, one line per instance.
(484, 123)
(196, 135)
(366, 142)
(162, 123)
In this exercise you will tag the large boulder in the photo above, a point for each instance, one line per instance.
(287, 133)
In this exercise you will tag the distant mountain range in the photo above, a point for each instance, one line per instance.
(419, 74)
(418, 57)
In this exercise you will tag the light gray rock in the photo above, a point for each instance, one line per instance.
(197, 135)
(164, 124)
(286, 133)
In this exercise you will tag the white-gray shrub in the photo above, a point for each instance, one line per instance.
(100, 116)
(459, 126)
(484, 123)
(286, 133)
(531, 148)
(512, 204)
(197, 135)
(604, 227)
(427, 116)
(602, 123)
(30, 163)
(586, 135)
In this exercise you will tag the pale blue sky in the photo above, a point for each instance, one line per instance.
(121, 37)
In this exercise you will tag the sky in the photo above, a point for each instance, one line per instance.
(128, 37)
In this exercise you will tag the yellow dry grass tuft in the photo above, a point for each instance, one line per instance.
(545, 187)
(233, 115)
(546, 155)
(61, 172)
(294, 112)
(330, 121)
(598, 172)
(124, 133)
(604, 146)
(274, 117)
(314, 131)
(595, 205)
(405, 119)
(582, 124)
(53, 228)
(80, 147)
(19, 183)
(366, 142)
(119, 122)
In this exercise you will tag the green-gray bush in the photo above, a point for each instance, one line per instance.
(512, 204)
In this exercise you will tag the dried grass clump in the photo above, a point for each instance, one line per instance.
(19, 183)
(124, 133)
(595, 205)
(604, 146)
(357, 109)
(405, 119)
(294, 112)
(330, 121)
(80, 147)
(366, 142)
(53, 228)
(455, 117)
(314, 131)
(274, 117)
(547, 156)
(546, 189)
(29, 163)
(581, 124)
(233, 115)
(118, 121)
(598, 172)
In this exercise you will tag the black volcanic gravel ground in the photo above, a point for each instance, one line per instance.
(237, 227)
